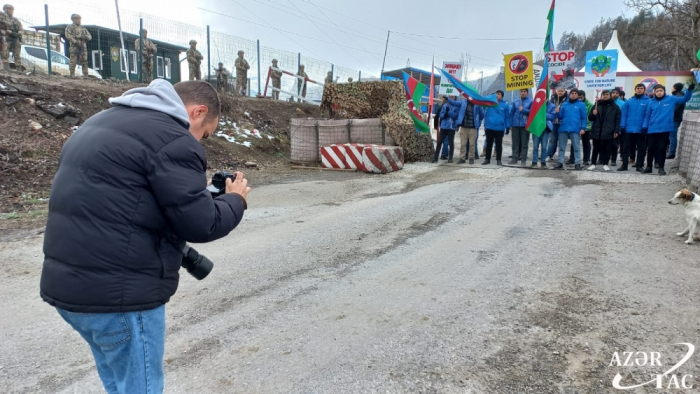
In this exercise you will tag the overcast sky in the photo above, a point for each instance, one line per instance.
(352, 33)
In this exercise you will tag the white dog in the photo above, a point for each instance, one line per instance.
(691, 202)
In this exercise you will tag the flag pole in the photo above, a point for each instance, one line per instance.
(431, 95)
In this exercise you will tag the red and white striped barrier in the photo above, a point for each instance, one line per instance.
(334, 157)
(377, 159)
(382, 159)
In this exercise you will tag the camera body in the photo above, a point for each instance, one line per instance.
(218, 183)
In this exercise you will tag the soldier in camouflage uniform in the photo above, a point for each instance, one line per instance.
(350, 79)
(329, 78)
(147, 51)
(242, 68)
(11, 30)
(222, 78)
(302, 82)
(194, 59)
(78, 36)
(276, 77)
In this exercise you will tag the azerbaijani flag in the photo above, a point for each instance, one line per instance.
(470, 93)
(537, 121)
(549, 39)
(414, 91)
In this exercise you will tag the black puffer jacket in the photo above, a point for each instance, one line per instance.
(130, 186)
(607, 123)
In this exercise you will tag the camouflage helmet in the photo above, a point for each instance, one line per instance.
(6, 6)
(74, 17)
(193, 42)
(274, 61)
(240, 51)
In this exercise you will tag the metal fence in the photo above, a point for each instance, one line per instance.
(222, 47)
(688, 151)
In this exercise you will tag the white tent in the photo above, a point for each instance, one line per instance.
(624, 64)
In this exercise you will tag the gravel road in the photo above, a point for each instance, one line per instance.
(436, 279)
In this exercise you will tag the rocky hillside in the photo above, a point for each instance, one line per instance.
(38, 114)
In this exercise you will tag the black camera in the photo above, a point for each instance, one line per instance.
(196, 264)
(218, 183)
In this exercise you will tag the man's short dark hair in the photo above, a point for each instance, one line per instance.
(659, 86)
(640, 85)
(200, 93)
(525, 90)
(501, 92)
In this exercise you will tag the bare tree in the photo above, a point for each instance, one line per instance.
(674, 29)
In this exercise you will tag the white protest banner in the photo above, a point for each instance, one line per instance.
(561, 69)
(456, 69)
(601, 69)
(537, 72)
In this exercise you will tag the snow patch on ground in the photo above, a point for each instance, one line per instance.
(235, 134)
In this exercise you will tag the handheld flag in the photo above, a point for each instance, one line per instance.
(469, 92)
(537, 120)
(414, 91)
(549, 38)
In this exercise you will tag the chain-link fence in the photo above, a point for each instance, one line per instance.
(688, 152)
(107, 59)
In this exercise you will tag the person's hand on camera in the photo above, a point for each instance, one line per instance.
(239, 186)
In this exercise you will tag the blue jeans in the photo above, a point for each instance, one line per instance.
(128, 347)
(445, 148)
(543, 141)
(575, 141)
(674, 138)
(553, 140)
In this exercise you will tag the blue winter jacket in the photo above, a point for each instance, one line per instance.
(497, 118)
(620, 102)
(659, 115)
(551, 115)
(448, 117)
(464, 104)
(633, 113)
(519, 118)
(572, 116)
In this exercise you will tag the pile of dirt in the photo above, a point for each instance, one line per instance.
(38, 114)
(379, 99)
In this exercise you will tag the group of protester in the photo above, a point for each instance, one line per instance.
(643, 126)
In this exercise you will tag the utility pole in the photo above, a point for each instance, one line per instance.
(386, 48)
(481, 83)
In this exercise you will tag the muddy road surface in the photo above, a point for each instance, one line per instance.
(436, 279)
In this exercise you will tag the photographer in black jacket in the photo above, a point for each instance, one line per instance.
(130, 190)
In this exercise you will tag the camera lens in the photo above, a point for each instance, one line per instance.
(201, 268)
(196, 264)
